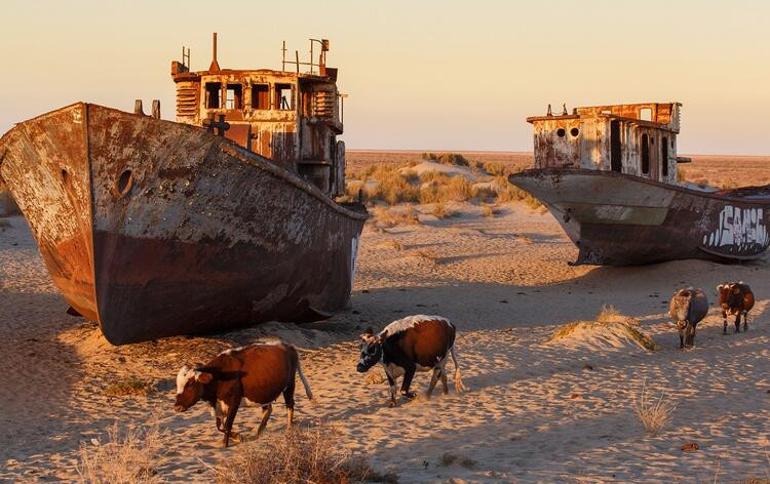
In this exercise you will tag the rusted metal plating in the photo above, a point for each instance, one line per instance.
(293, 118)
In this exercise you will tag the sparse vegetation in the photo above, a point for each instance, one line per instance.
(392, 217)
(131, 458)
(130, 386)
(440, 211)
(654, 413)
(611, 321)
(314, 454)
(447, 158)
(447, 459)
(489, 210)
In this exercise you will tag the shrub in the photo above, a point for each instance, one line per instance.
(447, 158)
(392, 186)
(489, 210)
(130, 386)
(133, 458)
(315, 454)
(441, 211)
(654, 413)
(391, 217)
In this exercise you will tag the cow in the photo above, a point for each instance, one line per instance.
(259, 372)
(735, 298)
(687, 308)
(415, 343)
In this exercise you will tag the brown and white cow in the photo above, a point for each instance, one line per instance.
(735, 298)
(259, 372)
(412, 344)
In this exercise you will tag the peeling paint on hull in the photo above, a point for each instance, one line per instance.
(619, 219)
(156, 228)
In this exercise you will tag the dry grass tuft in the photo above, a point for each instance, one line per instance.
(610, 319)
(440, 211)
(391, 217)
(391, 244)
(374, 378)
(131, 458)
(447, 459)
(654, 413)
(314, 454)
(490, 211)
(130, 386)
(455, 159)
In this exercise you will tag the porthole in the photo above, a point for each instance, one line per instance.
(561, 132)
(124, 183)
(574, 132)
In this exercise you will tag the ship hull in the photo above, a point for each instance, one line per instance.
(154, 228)
(618, 219)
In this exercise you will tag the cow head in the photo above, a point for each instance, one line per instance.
(371, 350)
(189, 387)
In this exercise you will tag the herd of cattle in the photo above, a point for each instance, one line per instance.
(263, 371)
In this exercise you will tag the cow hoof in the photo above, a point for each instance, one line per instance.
(409, 395)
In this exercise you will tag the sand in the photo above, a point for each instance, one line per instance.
(533, 412)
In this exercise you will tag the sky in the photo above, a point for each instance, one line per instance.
(420, 74)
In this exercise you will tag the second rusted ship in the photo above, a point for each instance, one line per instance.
(156, 228)
(608, 174)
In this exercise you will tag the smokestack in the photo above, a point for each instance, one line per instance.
(214, 64)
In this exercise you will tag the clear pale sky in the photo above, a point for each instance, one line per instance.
(451, 75)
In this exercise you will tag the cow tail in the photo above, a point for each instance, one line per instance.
(459, 387)
(305, 384)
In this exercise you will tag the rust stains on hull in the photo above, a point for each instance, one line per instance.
(161, 228)
(619, 219)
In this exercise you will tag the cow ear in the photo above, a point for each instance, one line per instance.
(205, 377)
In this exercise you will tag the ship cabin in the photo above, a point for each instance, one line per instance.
(292, 117)
(636, 139)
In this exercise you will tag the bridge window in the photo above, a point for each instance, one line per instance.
(260, 96)
(664, 156)
(645, 114)
(213, 93)
(234, 99)
(645, 155)
(284, 97)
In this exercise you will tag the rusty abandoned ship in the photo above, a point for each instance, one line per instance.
(608, 174)
(156, 228)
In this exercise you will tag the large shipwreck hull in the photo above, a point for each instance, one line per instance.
(619, 219)
(154, 228)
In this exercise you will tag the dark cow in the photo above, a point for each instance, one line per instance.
(735, 298)
(259, 373)
(687, 308)
(415, 343)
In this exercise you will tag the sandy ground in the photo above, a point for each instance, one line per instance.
(534, 412)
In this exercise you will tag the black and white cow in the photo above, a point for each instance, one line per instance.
(412, 344)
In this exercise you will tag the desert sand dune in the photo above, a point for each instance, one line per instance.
(533, 412)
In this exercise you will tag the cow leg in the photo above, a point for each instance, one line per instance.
(232, 410)
(392, 389)
(433, 380)
(444, 385)
(724, 320)
(738, 322)
(288, 397)
(745, 321)
(681, 339)
(266, 411)
(409, 372)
